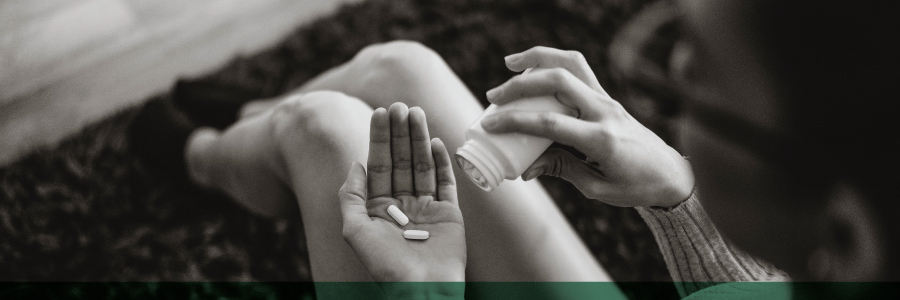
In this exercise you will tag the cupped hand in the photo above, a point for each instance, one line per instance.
(407, 169)
(626, 165)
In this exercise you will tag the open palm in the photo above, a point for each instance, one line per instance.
(407, 169)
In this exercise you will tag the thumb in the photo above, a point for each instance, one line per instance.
(353, 196)
(560, 163)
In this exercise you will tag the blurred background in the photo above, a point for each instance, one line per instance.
(65, 64)
(76, 205)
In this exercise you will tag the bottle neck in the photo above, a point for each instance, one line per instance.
(480, 164)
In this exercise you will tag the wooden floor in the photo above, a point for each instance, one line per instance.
(67, 63)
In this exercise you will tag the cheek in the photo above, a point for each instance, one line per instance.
(749, 203)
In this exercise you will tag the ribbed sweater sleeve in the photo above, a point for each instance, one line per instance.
(696, 254)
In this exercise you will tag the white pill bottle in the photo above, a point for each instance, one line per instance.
(488, 159)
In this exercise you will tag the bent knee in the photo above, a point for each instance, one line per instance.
(399, 56)
(321, 114)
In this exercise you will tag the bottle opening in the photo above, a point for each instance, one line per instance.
(473, 173)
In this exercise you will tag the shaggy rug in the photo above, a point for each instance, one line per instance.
(88, 210)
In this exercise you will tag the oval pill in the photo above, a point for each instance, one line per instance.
(398, 215)
(415, 234)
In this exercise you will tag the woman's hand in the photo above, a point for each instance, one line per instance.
(407, 169)
(627, 164)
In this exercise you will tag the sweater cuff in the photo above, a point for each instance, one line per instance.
(696, 255)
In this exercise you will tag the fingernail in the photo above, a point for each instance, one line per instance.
(512, 58)
(489, 123)
(531, 174)
(494, 93)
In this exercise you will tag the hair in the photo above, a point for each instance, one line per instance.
(837, 64)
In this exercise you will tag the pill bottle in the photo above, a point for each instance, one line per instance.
(488, 158)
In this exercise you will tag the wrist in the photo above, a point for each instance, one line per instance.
(681, 187)
(424, 290)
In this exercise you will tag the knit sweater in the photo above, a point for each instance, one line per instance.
(705, 266)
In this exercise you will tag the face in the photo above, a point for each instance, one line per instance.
(735, 132)
(752, 199)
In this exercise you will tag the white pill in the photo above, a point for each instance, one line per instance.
(415, 234)
(398, 215)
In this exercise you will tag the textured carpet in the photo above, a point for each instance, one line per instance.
(88, 210)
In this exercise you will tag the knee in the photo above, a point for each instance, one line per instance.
(399, 57)
(325, 116)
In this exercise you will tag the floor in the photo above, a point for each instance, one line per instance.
(65, 64)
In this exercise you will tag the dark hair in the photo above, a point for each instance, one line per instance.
(837, 63)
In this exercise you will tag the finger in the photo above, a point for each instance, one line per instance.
(446, 182)
(560, 163)
(352, 196)
(423, 163)
(379, 163)
(545, 57)
(558, 82)
(401, 151)
(553, 126)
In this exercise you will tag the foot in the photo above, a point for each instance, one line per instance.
(244, 162)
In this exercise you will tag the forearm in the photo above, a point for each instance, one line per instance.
(697, 256)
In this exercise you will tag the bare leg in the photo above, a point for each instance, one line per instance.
(304, 144)
(515, 233)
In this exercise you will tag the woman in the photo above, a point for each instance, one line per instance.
(785, 205)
